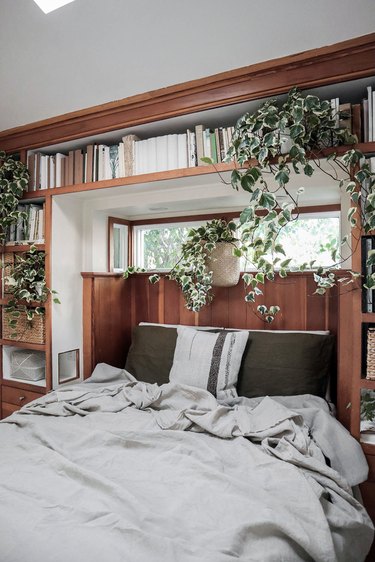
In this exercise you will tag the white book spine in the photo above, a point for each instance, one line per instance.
(207, 143)
(172, 152)
(182, 161)
(161, 153)
(52, 171)
(151, 149)
(121, 160)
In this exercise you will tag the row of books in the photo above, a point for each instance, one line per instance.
(359, 118)
(131, 156)
(29, 229)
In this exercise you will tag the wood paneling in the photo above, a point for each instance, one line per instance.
(112, 306)
(107, 317)
(335, 63)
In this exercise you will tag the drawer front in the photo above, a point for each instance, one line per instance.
(17, 396)
(8, 409)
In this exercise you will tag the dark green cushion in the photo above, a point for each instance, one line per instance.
(282, 364)
(273, 363)
(151, 353)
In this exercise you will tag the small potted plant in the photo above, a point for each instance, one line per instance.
(14, 178)
(24, 311)
(209, 257)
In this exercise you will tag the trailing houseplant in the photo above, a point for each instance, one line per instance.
(14, 178)
(28, 287)
(268, 145)
(191, 271)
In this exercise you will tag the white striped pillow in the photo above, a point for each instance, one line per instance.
(207, 360)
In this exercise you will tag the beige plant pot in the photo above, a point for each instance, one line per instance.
(224, 265)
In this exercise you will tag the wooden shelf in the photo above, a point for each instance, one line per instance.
(365, 383)
(368, 317)
(25, 385)
(24, 345)
(21, 247)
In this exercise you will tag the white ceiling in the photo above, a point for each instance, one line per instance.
(94, 51)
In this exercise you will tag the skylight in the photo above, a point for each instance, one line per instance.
(49, 5)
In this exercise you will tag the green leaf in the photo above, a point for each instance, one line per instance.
(282, 176)
(207, 160)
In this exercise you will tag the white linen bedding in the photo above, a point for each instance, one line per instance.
(120, 471)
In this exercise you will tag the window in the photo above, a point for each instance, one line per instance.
(310, 237)
(118, 236)
(157, 246)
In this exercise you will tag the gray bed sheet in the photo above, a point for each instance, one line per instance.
(119, 470)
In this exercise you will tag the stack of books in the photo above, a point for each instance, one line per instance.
(132, 156)
(29, 229)
(359, 118)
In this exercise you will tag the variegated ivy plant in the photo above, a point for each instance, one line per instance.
(270, 144)
(273, 142)
(14, 178)
(190, 271)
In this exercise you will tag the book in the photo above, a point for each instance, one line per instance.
(114, 161)
(369, 116)
(365, 120)
(129, 153)
(357, 121)
(199, 144)
(213, 147)
(191, 149)
(172, 152)
(207, 143)
(89, 162)
(71, 167)
(182, 160)
(161, 154)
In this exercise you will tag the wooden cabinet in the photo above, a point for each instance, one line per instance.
(12, 399)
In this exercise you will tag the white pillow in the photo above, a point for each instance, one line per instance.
(209, 361)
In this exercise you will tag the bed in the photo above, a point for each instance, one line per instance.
(123, 469)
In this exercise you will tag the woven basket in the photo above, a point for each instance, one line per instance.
(8, 261)
(224, 265)
(27, 331)
(370, 371)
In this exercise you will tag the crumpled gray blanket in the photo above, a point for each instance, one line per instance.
(122, 470)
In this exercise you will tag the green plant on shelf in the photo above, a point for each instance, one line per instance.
(14, 178)
(27, 283)
(269, 145)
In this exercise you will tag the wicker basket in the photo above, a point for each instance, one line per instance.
(8, 261)
(224, 265)
(370, 371)
(27, 331)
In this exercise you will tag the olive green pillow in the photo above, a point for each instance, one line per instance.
(285, 364)
(150, 356)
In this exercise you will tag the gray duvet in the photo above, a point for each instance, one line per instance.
(121, 471)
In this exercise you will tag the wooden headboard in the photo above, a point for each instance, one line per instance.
(112, 306)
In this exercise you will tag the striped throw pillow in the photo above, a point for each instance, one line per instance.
(208, 360)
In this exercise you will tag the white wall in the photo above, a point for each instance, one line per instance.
(67, 252)
(90, 52)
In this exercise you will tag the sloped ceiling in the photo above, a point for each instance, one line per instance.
(94, 51)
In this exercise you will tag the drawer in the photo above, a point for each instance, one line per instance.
(19, 397)
(7, 409)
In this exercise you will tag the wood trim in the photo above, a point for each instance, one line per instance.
(342, 61)
(226, 215)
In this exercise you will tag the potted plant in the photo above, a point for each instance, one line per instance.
(14, 178)
(209, 257)
(29, 291)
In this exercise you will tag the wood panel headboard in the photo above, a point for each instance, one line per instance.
(112, 306)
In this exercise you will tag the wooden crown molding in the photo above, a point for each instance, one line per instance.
(342, 61)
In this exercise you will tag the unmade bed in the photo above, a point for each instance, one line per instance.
(120, 469)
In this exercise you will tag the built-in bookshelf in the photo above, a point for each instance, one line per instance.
(64, 170)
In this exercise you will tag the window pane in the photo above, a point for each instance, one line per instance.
(161, 246)
(308, 239)
(120, 247)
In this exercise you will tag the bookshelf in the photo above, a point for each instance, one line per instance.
(342, 70)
